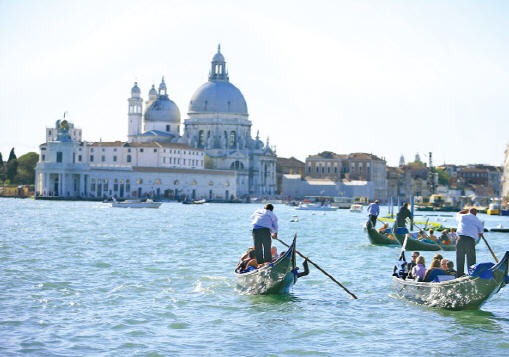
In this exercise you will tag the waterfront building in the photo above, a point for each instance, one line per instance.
(215, 158)
(330, 174)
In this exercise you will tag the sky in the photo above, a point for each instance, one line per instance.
(390, 78)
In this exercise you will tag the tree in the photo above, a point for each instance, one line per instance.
(12, 155)
(26, 168)
(2, 169)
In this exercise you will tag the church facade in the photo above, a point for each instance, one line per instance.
(211, 155)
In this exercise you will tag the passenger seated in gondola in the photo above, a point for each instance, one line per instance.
(384, 228)
(419, 270)
(453, 236)
(411, 265)
(450, 268)
(434, 271)
(421, 235)
(444, 237)
(432, 236)
(247, 262)
(273, 251)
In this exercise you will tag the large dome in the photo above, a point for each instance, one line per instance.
(163, 109)
(218, 97)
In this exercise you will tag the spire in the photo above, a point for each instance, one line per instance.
(162, 88)
(218, 70)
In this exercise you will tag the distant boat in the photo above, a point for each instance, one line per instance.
(194, 202)
(356, 207)
(316, 207)
(466, 292)
(135, 204)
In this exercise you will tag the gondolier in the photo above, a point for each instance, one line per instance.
(470, 229)
(264, 223)
(373, 212)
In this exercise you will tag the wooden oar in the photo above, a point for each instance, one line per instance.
(489, 248)
(316, 266)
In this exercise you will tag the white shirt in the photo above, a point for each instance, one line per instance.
(264, 218)
(469, 225)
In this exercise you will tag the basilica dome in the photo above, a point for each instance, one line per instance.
(218, 95)
(162, 109)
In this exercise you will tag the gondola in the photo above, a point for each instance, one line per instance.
(277, 277)
(419, 245)
(467, 292)
(378, 238)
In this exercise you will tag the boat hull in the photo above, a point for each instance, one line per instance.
(136, 204)
(414, 244)
(380, 238)
(467, 292)
(276, 278)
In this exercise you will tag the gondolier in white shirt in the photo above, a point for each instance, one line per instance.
(264, 223)
(470, 230)
(373, 212)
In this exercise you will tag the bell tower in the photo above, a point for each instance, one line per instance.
(134, 113)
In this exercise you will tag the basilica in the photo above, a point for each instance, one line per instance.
(211, 154)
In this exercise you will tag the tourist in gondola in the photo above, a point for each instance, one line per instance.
(433, 271)
(450, 268)
(413, 263)
(265, 226)
(470, 228)
(419, 270)
(444, 237)
(373, 212)
(401, 218)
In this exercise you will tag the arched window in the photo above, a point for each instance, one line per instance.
(201, 139)
(233, 139)
(237, 165)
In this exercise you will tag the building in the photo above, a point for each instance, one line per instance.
(330, 174)
(215, 157)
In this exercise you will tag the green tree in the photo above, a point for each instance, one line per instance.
(12, 155)
(12, 166)
(2, 171)
(443, 177)
(26, 168)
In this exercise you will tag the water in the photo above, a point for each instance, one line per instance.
(81, 279)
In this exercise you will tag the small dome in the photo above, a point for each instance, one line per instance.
(218, 97)
(152, 91)
(218, 57)
(163, 110)
(135, 90)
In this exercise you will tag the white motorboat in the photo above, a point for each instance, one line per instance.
(136, 204)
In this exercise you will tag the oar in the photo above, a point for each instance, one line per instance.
(316, 266)
(489, 248)
(423, 231)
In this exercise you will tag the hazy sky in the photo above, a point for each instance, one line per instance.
(390, 78)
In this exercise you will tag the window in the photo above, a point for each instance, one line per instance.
(103, 158)
(128, 158)
(114, 158)
(233, 139)
(59, 156)
(79, 158)
(91, 158)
